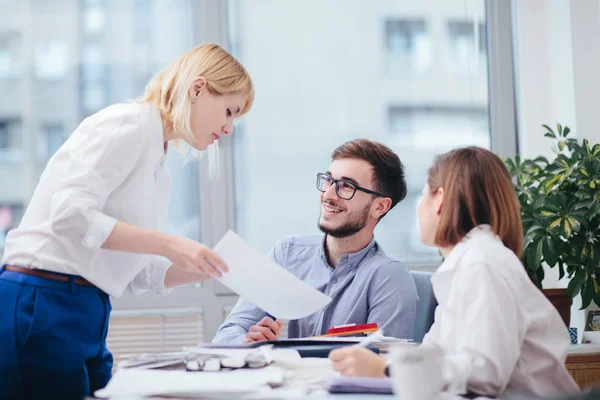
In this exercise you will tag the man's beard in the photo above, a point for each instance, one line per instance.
(356, 222)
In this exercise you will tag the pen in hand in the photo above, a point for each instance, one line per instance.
(268, 328)
(272, 317)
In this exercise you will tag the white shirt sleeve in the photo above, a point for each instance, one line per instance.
(108, 148)
(488, 329)
(151, 277)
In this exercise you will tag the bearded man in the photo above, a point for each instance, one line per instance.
(364, 182)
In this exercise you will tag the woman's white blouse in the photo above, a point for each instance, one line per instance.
(111, 168)
(496, 327)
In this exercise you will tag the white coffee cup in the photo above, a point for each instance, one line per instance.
(416, 372)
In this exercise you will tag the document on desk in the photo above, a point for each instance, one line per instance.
(142, 382)
(256, 278)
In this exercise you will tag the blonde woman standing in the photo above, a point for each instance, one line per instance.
(92, 228)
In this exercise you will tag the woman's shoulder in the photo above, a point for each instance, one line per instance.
(490, 253)
(121, 112)
(122, 122)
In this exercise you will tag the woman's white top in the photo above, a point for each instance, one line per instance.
(497, 329)
(111, 168)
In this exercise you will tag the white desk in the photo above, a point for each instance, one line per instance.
(303, 379)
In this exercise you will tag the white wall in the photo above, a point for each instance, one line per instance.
(557, 67)
(544, 70)
(585, 31)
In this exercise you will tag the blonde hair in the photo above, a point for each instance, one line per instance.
(168, 90)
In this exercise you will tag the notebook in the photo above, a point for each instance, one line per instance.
(344, 384)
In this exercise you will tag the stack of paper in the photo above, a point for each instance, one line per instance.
(143, 382)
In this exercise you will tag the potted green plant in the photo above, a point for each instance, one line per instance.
(560, 209)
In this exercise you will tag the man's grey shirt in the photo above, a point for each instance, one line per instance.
(366, 286)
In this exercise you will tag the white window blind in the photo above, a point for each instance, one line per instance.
(153, 331)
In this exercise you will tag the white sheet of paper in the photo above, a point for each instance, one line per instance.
(143, 382)
(267, 285)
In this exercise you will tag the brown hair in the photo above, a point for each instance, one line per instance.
(388, 171)
(477, 190)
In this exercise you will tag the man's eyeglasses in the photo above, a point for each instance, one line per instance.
(344, 189)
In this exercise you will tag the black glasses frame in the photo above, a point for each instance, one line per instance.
(336, 182)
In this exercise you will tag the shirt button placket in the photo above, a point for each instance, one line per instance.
(332, 287)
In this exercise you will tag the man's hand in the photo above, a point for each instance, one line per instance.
(266, 329)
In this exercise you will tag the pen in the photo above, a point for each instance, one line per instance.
(372, 338)
(272, 317)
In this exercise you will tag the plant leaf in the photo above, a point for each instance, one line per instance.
(549, 251)
(550, 132)
(576, 282)
(594, 210)
(587, 293)
(561, 270)
(596, 298)
(555, 223)
(535, 229)
(534, 255)
(551, 182)
(570, 225)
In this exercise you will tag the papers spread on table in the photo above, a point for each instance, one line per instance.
(148, 382)
(267, 285)
(134, 379)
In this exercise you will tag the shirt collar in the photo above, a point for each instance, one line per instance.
(351, 259)
(156, 126)
(483, 231)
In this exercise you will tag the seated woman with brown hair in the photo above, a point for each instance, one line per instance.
(496, 328)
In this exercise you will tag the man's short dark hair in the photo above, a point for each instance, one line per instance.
(388, 171)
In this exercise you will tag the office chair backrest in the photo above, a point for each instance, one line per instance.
(426, 305)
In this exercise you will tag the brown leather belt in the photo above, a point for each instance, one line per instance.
(47, 275)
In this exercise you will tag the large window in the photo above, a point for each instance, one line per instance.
(5, 136)
(411, 74)
(9, 54)
(408, 47)
(327, 74)
(52, 138)
(468, 52)
(80, 66)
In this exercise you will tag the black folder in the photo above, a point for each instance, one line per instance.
(306, 348)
